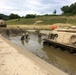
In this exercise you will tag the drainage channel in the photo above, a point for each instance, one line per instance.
(62, 60)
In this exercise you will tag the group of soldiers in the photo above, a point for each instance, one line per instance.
(26, 36)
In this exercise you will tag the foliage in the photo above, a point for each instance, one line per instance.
(13, 16)
(30, 16)
(46, 20)
(4, 17)
(54, 12)
(69, 9)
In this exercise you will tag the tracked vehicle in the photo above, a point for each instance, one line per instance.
(64, 39)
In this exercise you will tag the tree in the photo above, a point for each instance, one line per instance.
(54, 12)
(65, 9)
(4, 17)
(13, 16)
(30, 16)
(69, 9)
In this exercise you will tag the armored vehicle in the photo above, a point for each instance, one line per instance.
(64, 39)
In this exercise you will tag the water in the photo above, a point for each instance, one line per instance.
(63, 60)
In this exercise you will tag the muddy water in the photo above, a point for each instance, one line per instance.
(63, 60)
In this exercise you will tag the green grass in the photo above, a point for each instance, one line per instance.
(46, 20)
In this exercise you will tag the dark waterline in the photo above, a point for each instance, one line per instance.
(60, 59)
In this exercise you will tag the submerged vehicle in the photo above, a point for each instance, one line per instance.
(64, 39)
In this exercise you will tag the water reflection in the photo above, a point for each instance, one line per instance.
(39, 40)
(23, 42)
(61, 59)
(35, 45)
(27, 40)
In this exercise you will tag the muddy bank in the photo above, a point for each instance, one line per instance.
(13, 30)
(18, 31)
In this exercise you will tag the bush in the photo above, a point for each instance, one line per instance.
(30, 16)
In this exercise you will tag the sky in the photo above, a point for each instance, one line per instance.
(39, 7)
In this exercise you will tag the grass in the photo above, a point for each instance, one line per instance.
(46, 20)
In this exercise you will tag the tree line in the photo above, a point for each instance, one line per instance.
(15, 16)
(66, 10)
(69, 10)
(11, 16)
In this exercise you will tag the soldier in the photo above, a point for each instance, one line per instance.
(26, 35)
(23, 37)
(7, 32)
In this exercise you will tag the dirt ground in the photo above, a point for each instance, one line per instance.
(39, 26)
